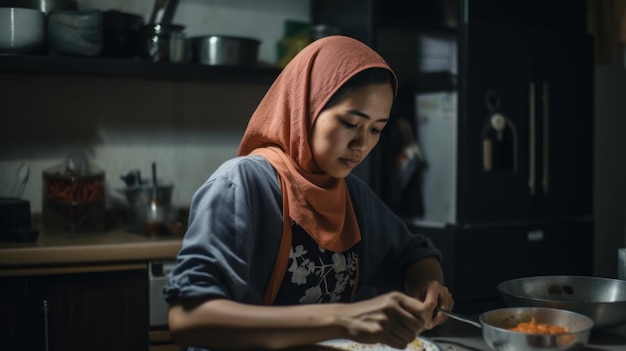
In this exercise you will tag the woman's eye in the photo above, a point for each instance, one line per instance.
(348, 125)
(376, 131)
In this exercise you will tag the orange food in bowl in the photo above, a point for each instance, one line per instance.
(533, 327)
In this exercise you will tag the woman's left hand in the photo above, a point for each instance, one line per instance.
(424, 282)
(435, 295)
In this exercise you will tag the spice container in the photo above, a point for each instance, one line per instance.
(73, 197)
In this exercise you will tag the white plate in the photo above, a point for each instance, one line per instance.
(420, 344)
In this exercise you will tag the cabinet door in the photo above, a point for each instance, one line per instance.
(485, 257)
(91, 311)
(15, 322)
(496, 75)
(564, 80)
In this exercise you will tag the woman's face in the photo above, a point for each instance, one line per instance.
(344, 134)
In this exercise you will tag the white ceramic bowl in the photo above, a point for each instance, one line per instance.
(21, 30)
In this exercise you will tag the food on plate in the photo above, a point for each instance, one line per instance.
(419, 344)
(533, 327)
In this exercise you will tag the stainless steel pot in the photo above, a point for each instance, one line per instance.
(225, 50)
(495, 324)
(601, 299)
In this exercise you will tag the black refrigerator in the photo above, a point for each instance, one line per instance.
(506, 153)
(497, 165)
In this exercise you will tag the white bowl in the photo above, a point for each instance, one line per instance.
(21, 30)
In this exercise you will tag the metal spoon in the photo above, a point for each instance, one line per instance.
(459, 317)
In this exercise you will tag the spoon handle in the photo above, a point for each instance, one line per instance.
(459, 317)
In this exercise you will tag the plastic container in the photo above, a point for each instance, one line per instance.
(73, 197)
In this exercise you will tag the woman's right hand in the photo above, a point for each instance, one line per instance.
(394, 319)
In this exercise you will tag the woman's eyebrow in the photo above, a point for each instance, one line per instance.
(366, 116)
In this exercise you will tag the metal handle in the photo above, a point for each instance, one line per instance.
(545, 179)
(459, 317)
(45, 324)
(531, 116)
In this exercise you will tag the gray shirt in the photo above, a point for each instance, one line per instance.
(235, 227)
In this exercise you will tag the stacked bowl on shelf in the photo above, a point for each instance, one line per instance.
(22, 30)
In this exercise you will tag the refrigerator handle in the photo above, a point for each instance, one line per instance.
(545, 180)
(531, 124)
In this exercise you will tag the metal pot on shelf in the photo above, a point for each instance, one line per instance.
(222, 50)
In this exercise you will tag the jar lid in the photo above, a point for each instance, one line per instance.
(75, 165)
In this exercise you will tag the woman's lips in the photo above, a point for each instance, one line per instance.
(350, 163)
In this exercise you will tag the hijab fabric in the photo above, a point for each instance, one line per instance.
(280, 129)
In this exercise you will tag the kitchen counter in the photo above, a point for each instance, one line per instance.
(458, 336)
(117, 246)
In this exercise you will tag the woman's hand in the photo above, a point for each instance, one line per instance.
(433, 294)
(424, 281)
(394, 319)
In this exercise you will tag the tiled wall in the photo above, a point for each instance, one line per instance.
(187, 128)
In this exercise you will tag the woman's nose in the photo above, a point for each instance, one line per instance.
(360, 141)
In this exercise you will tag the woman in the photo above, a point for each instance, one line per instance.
(285, 247)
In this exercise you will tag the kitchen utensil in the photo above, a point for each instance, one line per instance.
(22, 30)
(495, 324)
(155, 211)
(157, 39)
(139, 198)
(459, 317)
(75, 32)
(215, 50)
(163, 12)
(22, 174)
(132, 178)
(601, 299)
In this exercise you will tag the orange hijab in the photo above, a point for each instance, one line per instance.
(279, 130)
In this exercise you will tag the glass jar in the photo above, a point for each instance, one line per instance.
(73, 197)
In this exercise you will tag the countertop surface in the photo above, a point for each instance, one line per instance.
(113, 246)
(458, 336)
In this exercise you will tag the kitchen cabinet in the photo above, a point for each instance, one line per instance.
(72, 308)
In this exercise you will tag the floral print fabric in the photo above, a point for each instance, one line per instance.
(316, 275)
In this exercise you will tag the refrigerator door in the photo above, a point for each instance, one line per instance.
(497, 69)
(525, 125)
(564, 79)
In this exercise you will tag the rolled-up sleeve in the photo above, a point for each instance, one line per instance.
(232, 217)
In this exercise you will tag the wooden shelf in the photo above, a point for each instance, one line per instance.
(133, 69)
